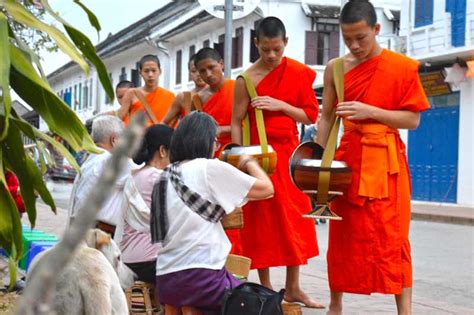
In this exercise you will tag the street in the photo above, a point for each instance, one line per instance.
(443, 263)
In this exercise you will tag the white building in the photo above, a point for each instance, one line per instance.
(181, 28)
(440, 34)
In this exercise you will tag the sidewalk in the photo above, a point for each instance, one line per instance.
(447, 213)
(313, 277)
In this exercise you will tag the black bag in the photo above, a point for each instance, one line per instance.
(252, 299)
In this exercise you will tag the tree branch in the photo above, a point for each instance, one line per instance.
(38, 295)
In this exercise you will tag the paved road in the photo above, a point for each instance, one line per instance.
(443, 263)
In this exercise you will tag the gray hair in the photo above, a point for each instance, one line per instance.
(106, 126)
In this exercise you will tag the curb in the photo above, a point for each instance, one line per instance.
(442, 218)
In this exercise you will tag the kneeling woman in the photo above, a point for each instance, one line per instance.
(188, 201)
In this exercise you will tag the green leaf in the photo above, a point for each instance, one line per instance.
(5, 100)
(34, 133)
(30, 54)
(92, 18)
(27, 172)
(86, 47)
(23, 16)
(39, 95)
(12, 263)
(10, 224)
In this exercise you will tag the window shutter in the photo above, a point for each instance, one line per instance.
(178, 66)
(254, 55)
(333, 45)
(311, 48)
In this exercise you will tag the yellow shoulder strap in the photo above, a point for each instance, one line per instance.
(330, 149)
(262, 135)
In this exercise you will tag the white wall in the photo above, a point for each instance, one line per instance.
(466, 151)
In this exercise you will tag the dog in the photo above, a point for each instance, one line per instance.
(94, 279)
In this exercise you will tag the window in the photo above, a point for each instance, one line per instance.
(79, 98)
(107, 99)
(423, 12)
(135, 75)
(178, 66)
(192, 51)
(75, 98)
(237, 47)
(254, 55)
(322, 45)
(123, 75)
(85, 97)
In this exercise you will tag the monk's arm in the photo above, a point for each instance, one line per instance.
(239, 110)
(273, 104)
(126, 103)
(174, 110)
(399, 119)
(327, 113)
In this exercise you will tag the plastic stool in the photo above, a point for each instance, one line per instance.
(37, 247)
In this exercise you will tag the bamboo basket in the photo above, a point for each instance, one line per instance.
(238, 265)
(233, 220)
(291, 309)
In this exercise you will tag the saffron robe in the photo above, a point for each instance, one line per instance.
(219, 106)
(160, 101)
(275, 233)
(369, 250)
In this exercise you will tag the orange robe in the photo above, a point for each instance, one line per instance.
(275, 233)
(369, 250)
(160, 101)
(219, 106)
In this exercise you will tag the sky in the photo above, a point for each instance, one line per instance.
(113, 16)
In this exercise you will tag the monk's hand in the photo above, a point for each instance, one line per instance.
(355, 110)
(268, 103)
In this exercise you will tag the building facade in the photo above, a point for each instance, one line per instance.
(440, 34)
(179, 29)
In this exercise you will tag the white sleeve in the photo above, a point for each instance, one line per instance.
(228, 185)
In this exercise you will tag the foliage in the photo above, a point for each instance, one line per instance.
(20, 70)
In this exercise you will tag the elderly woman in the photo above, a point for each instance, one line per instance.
(133, 231)
(190, 198)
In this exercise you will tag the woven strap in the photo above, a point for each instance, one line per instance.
(330, 149)
(197, 102)
(262, 135)
(147, 107)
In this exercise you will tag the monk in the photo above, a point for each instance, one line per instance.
(158, 98)
(183, 103)
(216, 100)
(369, 250)
(275, 233)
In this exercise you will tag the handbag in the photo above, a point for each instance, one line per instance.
(252, 299)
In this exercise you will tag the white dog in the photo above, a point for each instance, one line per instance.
(93, 280)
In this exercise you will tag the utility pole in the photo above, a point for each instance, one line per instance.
(229, 8)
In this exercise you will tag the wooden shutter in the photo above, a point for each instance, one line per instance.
(311, 48)
(178, 66)
(334, 44)
(254, 55)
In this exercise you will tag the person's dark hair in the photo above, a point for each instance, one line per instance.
(124, 84)
(155, 137)
(358, 10)
(207, 53)
(270, 27)
(147, 58)
(192, 60)
(194, 138)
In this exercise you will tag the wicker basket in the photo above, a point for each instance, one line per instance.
(291, 309)
(238, 265)
(234, 220)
